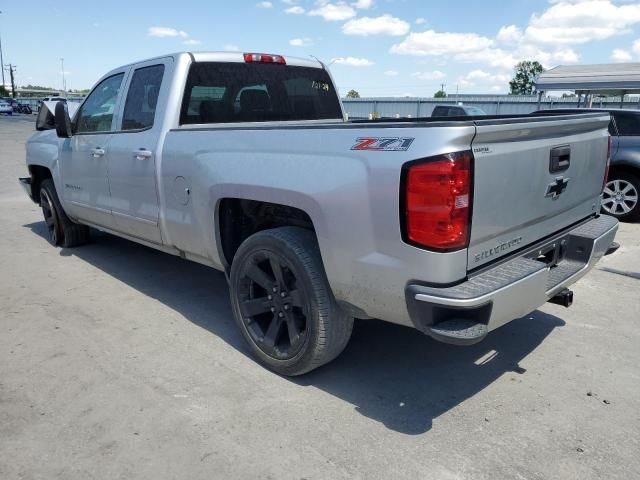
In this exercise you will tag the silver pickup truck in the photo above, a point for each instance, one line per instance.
(245, 162)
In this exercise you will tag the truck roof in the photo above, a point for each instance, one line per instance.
(233, 57)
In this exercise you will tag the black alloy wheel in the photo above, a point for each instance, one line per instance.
(283, 303)
(52, 221)
(272, 305)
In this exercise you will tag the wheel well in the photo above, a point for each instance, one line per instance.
(239, 218)
(38, 174)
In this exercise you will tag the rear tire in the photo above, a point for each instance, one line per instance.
(621, 196)
(62, 230)
(283, 303)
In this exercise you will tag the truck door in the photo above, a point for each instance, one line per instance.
(83, 165)
(133, 152)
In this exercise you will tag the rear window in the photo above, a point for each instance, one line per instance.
(241, 92)
(628, 124)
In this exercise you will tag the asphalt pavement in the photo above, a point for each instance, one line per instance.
(121, 362)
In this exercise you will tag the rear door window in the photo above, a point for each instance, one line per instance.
(242, 92)
(142, 98)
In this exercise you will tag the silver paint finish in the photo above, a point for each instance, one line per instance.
(352, 197)
(523, 296)
(512, 175)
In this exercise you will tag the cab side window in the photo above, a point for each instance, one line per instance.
(142, 98)
(96, 113)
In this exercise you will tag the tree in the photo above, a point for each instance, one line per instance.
(353, 94)
(440, 94)
(523, 82)
(3, 91)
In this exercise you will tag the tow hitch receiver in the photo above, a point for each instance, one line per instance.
(564, 298)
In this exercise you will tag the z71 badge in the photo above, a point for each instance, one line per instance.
(391, 144)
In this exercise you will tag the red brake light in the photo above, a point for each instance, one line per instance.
(606, 168)
(264, 58)
(438, 201)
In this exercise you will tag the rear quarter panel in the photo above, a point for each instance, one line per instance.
(352, 197)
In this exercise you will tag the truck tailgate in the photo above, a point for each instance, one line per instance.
(533, 177)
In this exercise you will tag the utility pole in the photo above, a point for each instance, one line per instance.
(1, 59)
(64, 83)
(12, 68)
(442, 87)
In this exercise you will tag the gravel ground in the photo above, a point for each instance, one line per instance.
(117, 361)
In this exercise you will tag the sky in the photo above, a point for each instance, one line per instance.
(377, 47)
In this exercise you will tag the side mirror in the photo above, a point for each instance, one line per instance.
(63, 122)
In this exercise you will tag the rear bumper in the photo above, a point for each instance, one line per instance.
(25, 183)
(510, 290)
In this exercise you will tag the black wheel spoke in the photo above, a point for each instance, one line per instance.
(255, 306)
(277, 273)
(260, 277)
(292, 329)
(297, 299)
(271, 335)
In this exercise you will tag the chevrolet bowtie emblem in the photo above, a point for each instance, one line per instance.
(555, 189)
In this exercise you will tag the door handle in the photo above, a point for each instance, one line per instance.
(142, 154)
(97, 152)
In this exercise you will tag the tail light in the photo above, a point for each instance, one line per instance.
(437, 204)
(606, 168)
(264, 58)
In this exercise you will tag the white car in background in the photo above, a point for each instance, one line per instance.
(5, 108)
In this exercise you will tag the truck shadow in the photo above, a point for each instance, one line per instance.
(391, 374)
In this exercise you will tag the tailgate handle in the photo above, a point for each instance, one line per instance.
(560, 159)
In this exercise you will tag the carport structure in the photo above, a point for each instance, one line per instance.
(616, 79)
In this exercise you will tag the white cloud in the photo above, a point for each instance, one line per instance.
(300, 42)
(486, 79)
(391, 73)
(636, 47)
(192, 41)
(566, 23)
(566, 55)
(295, 10)
(420, 20)
(231, 48)
(352, 61)
(620, 55)
(333, 12)
(363, 4)
(162, 32)
(264, 5)
(431, 43)
(435, 75)
(510, 34)
(384, 25)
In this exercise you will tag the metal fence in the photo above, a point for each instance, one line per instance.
(411, 107)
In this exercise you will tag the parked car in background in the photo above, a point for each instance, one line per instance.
(54, 99)
(25, 108)
(457, 111)
(621, 193)
(6, 108)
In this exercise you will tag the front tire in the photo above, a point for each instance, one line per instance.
(61, 229)
(621, 196)
(283, 304)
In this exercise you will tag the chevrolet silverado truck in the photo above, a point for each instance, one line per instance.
(245, 163)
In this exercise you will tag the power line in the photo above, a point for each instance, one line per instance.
(1, 59)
